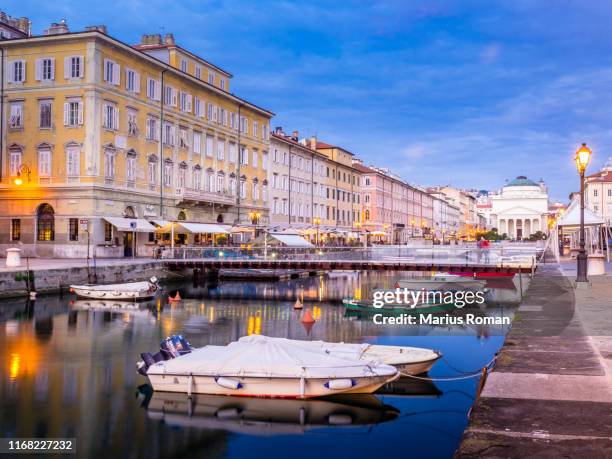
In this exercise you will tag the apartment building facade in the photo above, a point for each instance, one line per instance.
(598, 192)
(101, 139)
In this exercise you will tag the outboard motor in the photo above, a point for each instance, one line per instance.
(168, 349)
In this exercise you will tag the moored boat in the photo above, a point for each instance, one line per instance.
(367, 307)
(407, 360)
(124, 291)
(265, 368)
(442, 282)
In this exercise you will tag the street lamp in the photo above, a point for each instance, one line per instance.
(582, 158)
(254, 216)
(317, 222)
(23, 168)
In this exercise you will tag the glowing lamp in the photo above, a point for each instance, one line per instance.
(583, 156)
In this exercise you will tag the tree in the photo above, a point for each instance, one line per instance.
(537, 236)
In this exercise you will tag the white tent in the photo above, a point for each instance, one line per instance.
(139, 225)
(291, 240)
(571, 217)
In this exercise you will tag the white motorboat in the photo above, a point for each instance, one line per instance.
(266, 368)
(125, 291)
(445, 282)
(407, 360)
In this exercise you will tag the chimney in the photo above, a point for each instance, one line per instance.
(151, 39)
(96, 28)
(295, 135)
(169, 40)
(57, 28)
(313, 142)
(25, 25)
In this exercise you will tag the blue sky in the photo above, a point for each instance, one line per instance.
(468, 93)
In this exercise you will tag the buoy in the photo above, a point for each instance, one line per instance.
(298, 304)
(397, 285)
(177, 297)
(307, 317)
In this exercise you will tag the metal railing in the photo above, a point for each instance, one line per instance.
(504, 256)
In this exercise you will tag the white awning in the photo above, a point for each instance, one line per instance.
(140, 225)
(161, 223)
(291, 240)
(202, 228)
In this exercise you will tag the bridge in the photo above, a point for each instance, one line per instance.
(500, 260)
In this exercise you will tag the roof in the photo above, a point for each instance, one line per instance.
(141, 47)
(601, 176)
(129, 48)
(521, 180)
(292, 141)
(327, 146)
(364, 169)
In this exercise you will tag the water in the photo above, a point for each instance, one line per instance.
(70, 372)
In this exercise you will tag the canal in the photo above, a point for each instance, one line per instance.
(68, 370)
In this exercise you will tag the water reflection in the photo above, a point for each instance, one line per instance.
(68, 369)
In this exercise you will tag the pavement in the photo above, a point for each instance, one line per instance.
(38, 264)
(550, 394)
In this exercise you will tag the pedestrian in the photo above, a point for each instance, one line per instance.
(485, 247)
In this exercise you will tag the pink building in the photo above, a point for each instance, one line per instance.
(392, 206)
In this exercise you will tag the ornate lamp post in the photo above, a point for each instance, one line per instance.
(582, 158)
(22, 169)
(317, 222)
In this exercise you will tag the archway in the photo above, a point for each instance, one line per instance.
(45, 223)
(220, 218)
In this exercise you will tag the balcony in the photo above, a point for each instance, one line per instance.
(193, 195)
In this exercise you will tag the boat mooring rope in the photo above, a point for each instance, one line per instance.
(476, 374)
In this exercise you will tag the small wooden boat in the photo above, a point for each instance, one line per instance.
(367, 307)
(125, 291)
(265, 368)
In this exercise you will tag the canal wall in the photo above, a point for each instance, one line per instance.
(550, 394)
(57, 279)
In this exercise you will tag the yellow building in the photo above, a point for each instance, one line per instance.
(81, 158)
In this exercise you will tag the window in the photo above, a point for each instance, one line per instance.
(220, 149)
(610, 193)
(111, 72)
(167, 173)
(169, 134)
(197, 141)
(255, 158)
(198, 72)
(132, 81)
(255, 190)
(197, 177)
(132, 126)
(15, 229)
(265, 191)
(170, 97)
(109, 164)
(73, 161)
(130, 167)
(264, 131)
(44, 114)
(182, 175)
(183, 141)
(45, 69)
(108, 232)
(243, 193)
(210, 181)
(223, 83)
(44, 162)
(244, 124)
(197, 107)
(211, 78)
(153, 89)
(15, 156)
(264, 160)
(595, 192)
(244, 155)
(233, 120)
(183, 65)
(152, 170)
(73, 113)
(45, 223)
(255, 128)
(73, 67)
(209, 146)
(232, 152)
(111, 117)
(17, 72)
(16, 117)
(152, 131)
(185, 102)
(73, 229)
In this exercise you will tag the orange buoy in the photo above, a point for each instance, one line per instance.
(307, 317)
(397, 285)
(298, 304)
(177, 297)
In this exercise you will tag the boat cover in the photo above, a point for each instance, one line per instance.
(263, 357)
(390, 355)
(126, 287)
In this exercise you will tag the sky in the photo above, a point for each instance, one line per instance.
(466, 93)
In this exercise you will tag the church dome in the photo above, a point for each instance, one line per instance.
(521, 180)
